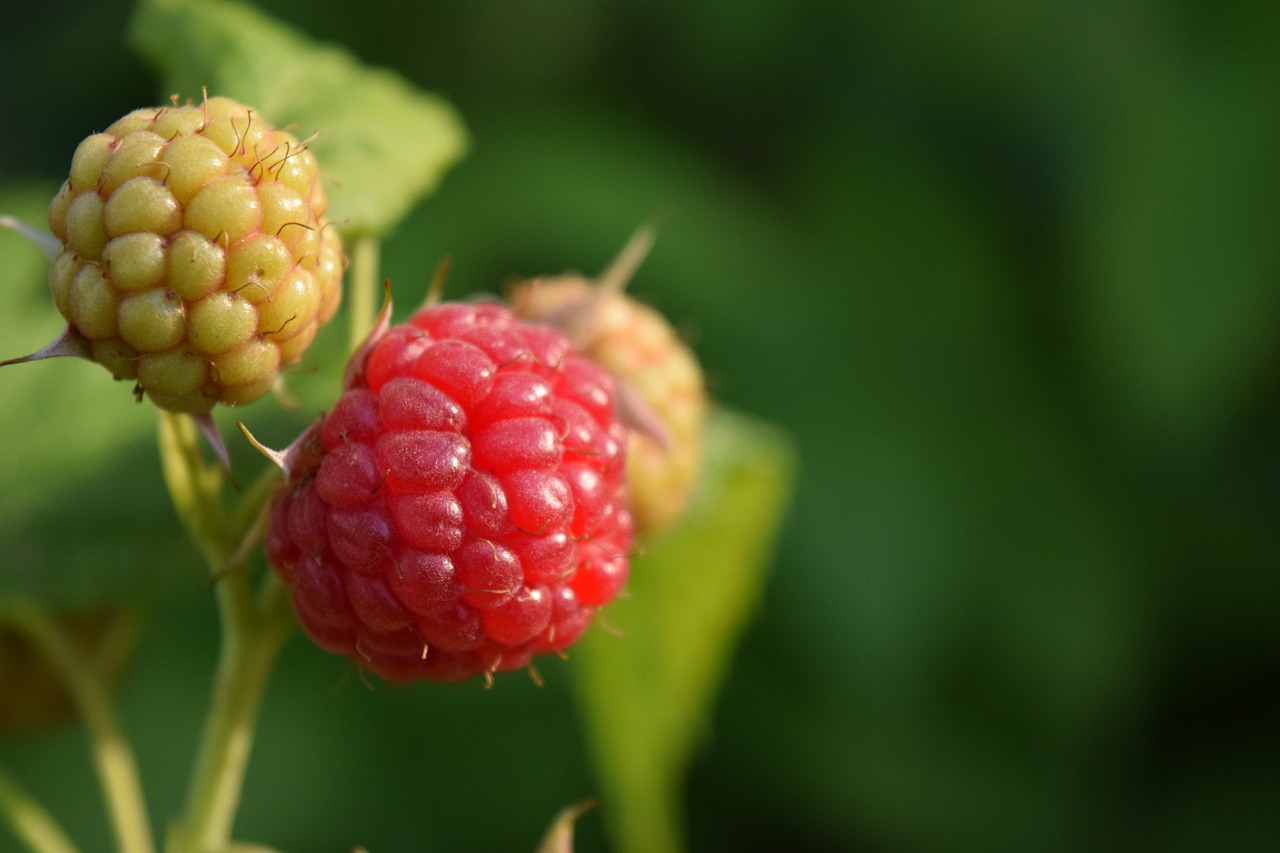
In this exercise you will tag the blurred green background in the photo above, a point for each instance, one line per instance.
(1009, 274)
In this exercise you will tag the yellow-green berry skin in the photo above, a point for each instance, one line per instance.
(196, 258)
(653, 367)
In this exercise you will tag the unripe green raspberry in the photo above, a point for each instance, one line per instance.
(195, 258)
(660, 383)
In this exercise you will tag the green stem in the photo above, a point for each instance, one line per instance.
(253, 630)
(253, 633)
(362, 288)
(31, 823)
(195, 486)
(112, 755)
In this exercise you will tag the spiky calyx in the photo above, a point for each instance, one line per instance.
(195, 256)
(462, 507)
(660, 382)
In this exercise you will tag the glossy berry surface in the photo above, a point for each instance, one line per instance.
(652, 365)
(195, 258)
(462, 507)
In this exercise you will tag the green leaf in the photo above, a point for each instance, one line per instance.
(381, 142)
(647, 696)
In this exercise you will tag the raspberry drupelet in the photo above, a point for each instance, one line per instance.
(462, 507)
(191, 255)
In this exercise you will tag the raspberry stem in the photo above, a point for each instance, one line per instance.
(253, 632)
(254, 629)
(363, 288)
(30, 822)
(195, 486)
(112, 755)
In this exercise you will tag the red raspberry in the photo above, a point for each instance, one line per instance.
(462, 507)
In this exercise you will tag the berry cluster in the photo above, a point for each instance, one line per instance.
(472, 498)
(462, 506)
(195, 256)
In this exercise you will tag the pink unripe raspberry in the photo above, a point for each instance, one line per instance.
(195, 257)
(461, 508)
(659, 378)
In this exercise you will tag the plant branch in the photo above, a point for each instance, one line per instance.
(253, 630)
(195, 486)
(248, 653)
(30, 822)
(363, 289)
(112, 754)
